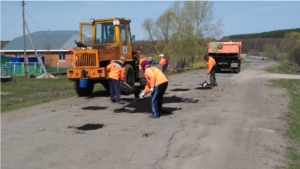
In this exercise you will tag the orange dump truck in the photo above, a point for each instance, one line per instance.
(226, 54)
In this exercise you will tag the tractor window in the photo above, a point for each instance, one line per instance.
(129, 34)
(86, 36)
(105, 32)
(123, 32)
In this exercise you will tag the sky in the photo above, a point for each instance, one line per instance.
(239, 17)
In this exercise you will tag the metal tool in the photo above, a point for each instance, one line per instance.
(205, 83)
(128, 86)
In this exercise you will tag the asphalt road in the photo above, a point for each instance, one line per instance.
(237, 125)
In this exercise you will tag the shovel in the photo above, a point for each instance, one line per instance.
(205, 83)
(131, 88)
(128, 86)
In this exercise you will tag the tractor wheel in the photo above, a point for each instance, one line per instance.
(83, 91)
(143, 82)
(129, 79)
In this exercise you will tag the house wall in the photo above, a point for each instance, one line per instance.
(51, 59)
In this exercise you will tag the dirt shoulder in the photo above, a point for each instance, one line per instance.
(235, 125)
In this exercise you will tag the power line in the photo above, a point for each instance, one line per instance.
(8, 24)
(42, 30)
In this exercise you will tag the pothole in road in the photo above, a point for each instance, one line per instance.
(179, 90)
(88, 127)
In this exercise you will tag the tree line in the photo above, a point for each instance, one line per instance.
(269, 34)
(183, 31)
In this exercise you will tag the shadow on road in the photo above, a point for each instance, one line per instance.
(143, 105)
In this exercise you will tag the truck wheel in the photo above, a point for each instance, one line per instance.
(129, 79)
(83, 91)
(238, 69)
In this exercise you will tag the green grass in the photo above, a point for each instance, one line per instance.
(293, 119)
(283, 68)
(200, 64)
(293, 115)
(22, 92)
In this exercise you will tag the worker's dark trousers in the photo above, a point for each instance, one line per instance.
(157, 99)
(114, 88)
(213, 80)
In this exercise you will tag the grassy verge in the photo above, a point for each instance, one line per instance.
(293, 116)
(284, 68)
(22, 92)
(293, 119)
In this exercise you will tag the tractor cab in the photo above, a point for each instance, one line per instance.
(108, 33)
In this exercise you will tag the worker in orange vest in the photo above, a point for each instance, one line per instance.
(163, 62)
(157, 84)
(116, 73)
(211, 69)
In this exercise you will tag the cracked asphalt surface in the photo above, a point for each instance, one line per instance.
(237, 125)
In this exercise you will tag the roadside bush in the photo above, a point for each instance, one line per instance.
(253, 52)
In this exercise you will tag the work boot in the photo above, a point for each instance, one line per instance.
(214, 85)
(113, 101)
(121, 102)
(153, 117)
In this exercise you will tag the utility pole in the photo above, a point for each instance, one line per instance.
(25, 56)
(36, 55)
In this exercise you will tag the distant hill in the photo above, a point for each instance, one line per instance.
(270, 34)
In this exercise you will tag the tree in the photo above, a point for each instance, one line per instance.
(199, 14)
(178, 31)
(270, 49)
(291, 45)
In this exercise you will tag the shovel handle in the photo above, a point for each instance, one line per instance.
(134, 101)
(127, 85)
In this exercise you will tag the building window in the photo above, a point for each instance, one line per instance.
(61, 57)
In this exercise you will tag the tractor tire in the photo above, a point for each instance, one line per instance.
(143, 82)
(83, 91)
(129, 79)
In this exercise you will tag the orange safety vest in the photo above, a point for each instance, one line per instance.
(154, 77)
(116, 70)
(210, 63)
(162, 61)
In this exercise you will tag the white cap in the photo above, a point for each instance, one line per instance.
(161, 55)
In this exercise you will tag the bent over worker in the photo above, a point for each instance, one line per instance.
(211, 69)
(157, 84)
(116, 74)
